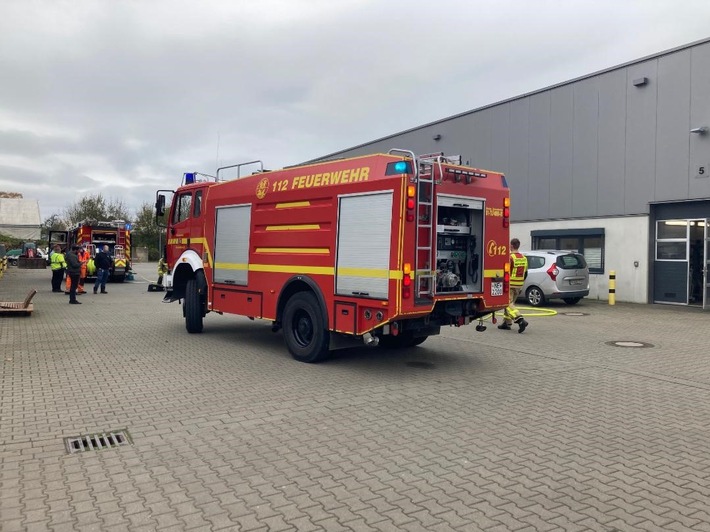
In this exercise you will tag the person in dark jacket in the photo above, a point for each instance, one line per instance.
(73, 272)
(103, 263)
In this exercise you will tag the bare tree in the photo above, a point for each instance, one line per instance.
(96, 208)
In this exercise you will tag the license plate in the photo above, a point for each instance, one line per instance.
(576, 281)
(496, 289)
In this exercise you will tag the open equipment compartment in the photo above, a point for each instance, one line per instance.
(459, 235)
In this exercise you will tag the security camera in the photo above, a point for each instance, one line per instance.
(700, 130)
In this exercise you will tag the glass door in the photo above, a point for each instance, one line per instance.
(706, 268)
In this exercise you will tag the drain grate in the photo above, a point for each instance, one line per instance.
(98, 441)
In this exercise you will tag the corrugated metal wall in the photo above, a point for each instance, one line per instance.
(597, 146)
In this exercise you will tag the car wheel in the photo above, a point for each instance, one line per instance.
(535, 296)
(306, 337)
(571, 300)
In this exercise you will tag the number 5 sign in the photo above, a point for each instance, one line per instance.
(702, 171)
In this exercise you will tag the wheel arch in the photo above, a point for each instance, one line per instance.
(189, 266)
(296, 284)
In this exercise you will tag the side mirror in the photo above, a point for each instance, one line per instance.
(160, 206)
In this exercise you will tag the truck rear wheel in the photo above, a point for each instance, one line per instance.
(193, 308)
(400, 341)
(306, 337)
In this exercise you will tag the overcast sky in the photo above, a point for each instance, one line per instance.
(121, 97)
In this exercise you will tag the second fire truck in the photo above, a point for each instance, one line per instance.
(385, 249)
(114, 234)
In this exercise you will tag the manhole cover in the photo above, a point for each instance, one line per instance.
(421, 365)
(628, 343)
(98, 441)
(575, 314)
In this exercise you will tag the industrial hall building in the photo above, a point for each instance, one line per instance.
(614, 164)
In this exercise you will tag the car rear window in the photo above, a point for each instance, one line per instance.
(572, 261)
(535, 262)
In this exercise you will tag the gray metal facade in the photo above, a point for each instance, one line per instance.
(596, 146)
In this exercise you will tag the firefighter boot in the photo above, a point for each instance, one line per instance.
(504, 326)
(522, 324)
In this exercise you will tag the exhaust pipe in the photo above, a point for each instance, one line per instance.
(369, 340)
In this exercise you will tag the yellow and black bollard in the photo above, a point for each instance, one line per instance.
(612, 287)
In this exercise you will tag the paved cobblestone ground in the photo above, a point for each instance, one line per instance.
(549, 430)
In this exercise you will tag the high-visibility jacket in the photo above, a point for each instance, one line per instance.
(84, 259)
(518, 267)
(58, 262)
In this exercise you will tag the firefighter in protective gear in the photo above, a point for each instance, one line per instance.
(162, 270)
(518, 273)
(84, 257)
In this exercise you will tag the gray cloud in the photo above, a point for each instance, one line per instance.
(123, 97)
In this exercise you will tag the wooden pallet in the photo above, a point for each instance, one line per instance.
(23, 307)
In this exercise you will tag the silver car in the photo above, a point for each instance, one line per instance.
(555, 274)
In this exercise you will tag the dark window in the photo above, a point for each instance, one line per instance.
(588, 242)
(198, 204)
(535, 262)
(572, 261)
(182, 212)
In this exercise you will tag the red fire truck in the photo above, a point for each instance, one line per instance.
(115, 234)
(383, 249)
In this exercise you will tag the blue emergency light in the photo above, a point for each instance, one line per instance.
(189, 178)
(399, 167)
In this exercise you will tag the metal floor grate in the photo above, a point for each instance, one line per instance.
(98, 441)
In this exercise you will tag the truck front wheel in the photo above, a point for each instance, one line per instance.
(306, 337)
(193, 308)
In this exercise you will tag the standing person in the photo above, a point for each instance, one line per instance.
(58, 265)
(103, 265)
(73, 273)
(518, 273)
(84, 259)
(162, 270)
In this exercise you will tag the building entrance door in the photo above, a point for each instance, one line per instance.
(697, 233)
(706, 269)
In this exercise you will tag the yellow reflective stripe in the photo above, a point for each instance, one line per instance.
(492, 273)
(365, 272)
(305, 251)
(293, 204)
(313, 270)
(291, 268)
(302, 227)
(230, 266)
(202, 241)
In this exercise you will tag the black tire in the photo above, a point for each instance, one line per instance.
(401, 341)
(571, 300)
(535, 296)
(306, 337)
(418, 340)
(193, 308)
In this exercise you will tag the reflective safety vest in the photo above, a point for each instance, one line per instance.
(58, 262)
(518, 267)
(83, 259)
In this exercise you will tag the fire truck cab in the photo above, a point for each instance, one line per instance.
(383, 249)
